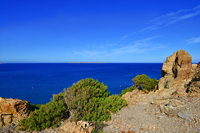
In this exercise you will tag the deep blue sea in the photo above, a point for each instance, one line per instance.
(37, 82)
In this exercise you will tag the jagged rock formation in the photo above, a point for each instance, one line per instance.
(194, 86)
(177, 72)
(12, 111)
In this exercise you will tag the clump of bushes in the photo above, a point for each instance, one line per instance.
(33, 107)
(89, 100)
(128, 89)
(48, 115)
(144, 83)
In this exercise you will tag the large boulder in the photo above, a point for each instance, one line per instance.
(176, 71)
(12, 111)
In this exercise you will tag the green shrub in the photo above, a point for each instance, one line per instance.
(89, 100)
(48, 115)
(114, 103)
(33, 107)
(128, 89)
(99, 109)
(143, 82)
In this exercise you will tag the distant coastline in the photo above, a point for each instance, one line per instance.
(86, 62)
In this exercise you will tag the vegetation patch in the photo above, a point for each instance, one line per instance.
(48, 115)
(89, 100)
(144, 83)
(128, 89)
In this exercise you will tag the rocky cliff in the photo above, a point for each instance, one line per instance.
(173, 107)
(193, 87)
(12, 111)
(177, 72)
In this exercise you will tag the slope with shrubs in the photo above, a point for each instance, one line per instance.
(128, 89)
(48, 115)
(88, 100)
(144, 83)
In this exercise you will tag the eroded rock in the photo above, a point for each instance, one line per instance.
(177, 65)
(12, 111)
(169, 106)
(177, 72)
(134, 96)
(194, 86)
(77, 127)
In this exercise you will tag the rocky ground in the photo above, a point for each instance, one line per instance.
(150, 113)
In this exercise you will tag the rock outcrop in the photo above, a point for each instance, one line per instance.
(177, 72)
(12, 111)
(193, 87)
(77, 127)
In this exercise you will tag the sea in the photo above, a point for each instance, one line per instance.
(37, 82)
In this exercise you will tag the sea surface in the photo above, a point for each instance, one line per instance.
(37, 82)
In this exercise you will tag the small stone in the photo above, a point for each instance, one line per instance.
(187, 115)
(143, 129)
(196, 120)
(131, 131)
(156, 113)
(153, 127)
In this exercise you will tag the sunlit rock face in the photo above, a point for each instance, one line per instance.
(12, 111)
(177, 71)
(177, 65)
(194, 86)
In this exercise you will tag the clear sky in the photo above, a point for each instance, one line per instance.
(41, 31)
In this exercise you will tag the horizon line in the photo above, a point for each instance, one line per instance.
(72, 62)
(76, 62)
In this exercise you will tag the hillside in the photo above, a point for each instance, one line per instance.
(174, 106)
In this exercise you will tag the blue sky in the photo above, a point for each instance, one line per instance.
(42, 31)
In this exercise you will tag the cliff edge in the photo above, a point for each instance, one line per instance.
(173, 107)
(12, 111)
(178, 74)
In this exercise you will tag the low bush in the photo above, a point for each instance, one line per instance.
(143, 82)
(89, 100)
(48, 115)
(128, 89)
(33, 107)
